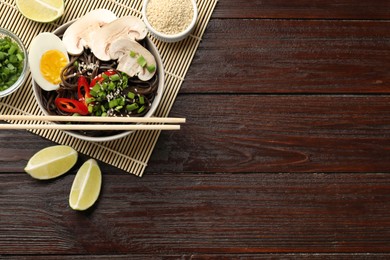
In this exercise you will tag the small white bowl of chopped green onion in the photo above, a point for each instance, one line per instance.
(170, 20)
(13, 63)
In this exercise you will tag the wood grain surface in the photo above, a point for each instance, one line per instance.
(292, 56)
(201, 214)
(285, 153)
(304, 9)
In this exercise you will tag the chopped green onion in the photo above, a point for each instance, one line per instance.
(20, 56)
(90, 109)
(98, 113)
(151, 68)
(102, 94)
(11, 62)
(133, 54)
(12, 50)
(113, 103)
(131, 95)
(141, 109)
(111, 86)
(90, 100)
(141, 100)
(115, 77)
(132, 107)
(141, 61)
(11, 67)
(121, 101)
(93, 93)
(96, 88)
(13, 59)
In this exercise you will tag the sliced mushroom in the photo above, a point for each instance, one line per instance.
(128, 52)
(78, 35)
(125, 27)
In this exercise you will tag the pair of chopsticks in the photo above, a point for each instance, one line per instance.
(134, 123)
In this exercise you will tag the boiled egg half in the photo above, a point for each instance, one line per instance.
(47, 57)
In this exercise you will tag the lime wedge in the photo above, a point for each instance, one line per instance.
(86, 186)
(41, 10)
(51, 162)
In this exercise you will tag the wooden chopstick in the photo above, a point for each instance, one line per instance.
(131, 127)
(94, 119)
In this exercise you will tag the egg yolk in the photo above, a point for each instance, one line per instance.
(52, 62)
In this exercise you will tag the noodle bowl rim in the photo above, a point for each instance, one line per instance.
(160, 70)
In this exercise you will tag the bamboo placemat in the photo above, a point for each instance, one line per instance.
(131, 153)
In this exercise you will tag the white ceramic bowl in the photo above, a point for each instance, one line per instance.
(23, 76)
(170, 37)
(160, 70)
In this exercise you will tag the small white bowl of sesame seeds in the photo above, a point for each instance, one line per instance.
(170, 20)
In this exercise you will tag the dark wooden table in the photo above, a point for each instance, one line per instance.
(285, 154)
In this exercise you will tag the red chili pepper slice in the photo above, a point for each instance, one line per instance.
(83, 89)
(99, 78)
(71, 106)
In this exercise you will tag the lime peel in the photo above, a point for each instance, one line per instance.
(47, 5)
(41, 11)
(51, 162)
(86, 186)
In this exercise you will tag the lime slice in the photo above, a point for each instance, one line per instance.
(51, 162)
(86, 186)
(41, 10)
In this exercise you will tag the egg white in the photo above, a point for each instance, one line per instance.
(40, 44)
